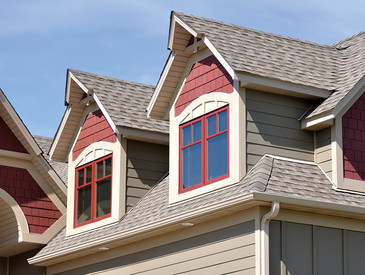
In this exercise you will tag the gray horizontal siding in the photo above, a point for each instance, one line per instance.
(273, 127)
(225, 251)
(146, 164)
(323, 150)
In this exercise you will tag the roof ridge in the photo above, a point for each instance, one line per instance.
(112, 78)
(337, 44)
(331, 47)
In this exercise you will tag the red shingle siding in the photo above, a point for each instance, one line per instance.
(38, 209)
(96, 128)
(8, 140)
(353, 140)
(206, 76)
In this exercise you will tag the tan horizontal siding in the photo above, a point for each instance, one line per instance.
(9, 227)
(323, 150)
(273, 127)
(224, 251)
(146, 164)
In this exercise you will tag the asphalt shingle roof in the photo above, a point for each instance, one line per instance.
(124, 101)
(59, 167)
(338, 67)
(270, 175)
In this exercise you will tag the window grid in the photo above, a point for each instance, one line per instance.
(204, 137)
(93, 183)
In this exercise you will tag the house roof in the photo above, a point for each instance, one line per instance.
(59, 167)
(271, 176)
(334, 68)
(124, 101)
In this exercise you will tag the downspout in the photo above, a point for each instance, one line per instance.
(275, 207)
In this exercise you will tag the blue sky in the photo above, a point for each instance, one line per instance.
(40, 39)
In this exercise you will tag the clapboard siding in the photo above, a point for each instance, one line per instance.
(323, 150)
(146, 164)
(273, 127)
(227, 250)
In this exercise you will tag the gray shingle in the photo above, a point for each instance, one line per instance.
(59, 167)
(336, 68)
(124, 101)
(270, 176)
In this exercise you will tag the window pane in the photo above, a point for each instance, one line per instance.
(83, 204)
(186, 135)
(103, 193)
(89, 173)
(217, 156)
(191, 165)
(108, 167)
(197, 131)
(80, 177)
(212, 125)
(99, 170)
(222, 121)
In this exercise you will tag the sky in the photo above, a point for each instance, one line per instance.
(41, 39)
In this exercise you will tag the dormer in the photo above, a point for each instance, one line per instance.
(225, 110)
(104, 136)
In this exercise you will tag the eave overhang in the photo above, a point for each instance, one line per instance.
(326, 119)
(242, 203)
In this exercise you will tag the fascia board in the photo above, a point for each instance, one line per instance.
(319, 93)
(309, 203)
(327, 118)
(155, 226)
(160, 83)
(131, 133)
(60, 130)
(358, 89)
(220, 58)
(105, 113)
(23, 129)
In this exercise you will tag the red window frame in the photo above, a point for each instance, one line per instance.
(93, 183)
(203, 141)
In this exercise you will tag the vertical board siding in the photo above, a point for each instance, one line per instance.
(95, 128)
(273, 127)
(206, 76)
(307, 249)
(146, 164)
(37, 207)
(353, 140)
(8, 140)
(224, 251)
(323, 150)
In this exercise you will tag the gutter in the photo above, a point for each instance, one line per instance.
(41, 260)
(265, 236)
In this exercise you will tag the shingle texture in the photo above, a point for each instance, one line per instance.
(270, 176)
(338, 67)
(124, 101)
(59, 167)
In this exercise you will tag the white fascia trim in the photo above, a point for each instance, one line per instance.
(244, 78)
(309, 203)
(160, 83)
(25, 132)
(359, 86)
(143, 134)
(78, 82)
(323, 118)
(105, 113)
(60, 130)
(150, 227)
(220, 58)
(291, 160)
(175, 20)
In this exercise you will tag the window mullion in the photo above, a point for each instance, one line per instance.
(93, 190)
(204, 150)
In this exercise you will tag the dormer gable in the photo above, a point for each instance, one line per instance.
(32, 194)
